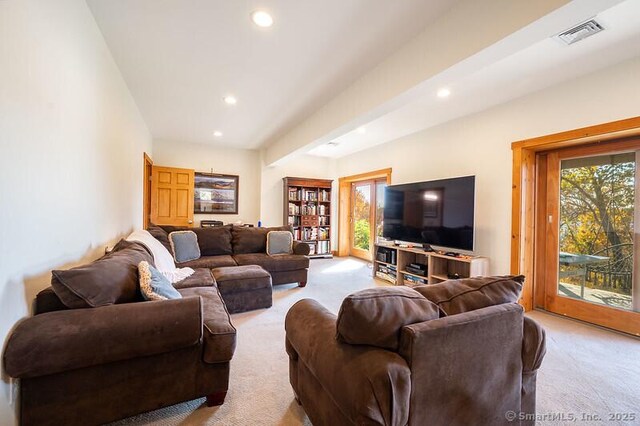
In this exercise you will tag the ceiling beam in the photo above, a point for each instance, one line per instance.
(470, 35)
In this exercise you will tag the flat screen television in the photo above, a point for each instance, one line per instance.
(436, 212)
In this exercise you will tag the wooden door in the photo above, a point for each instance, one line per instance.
(586, 242)
(172, 192)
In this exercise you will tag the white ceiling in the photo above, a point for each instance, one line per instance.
(542, 64)
(180, 57)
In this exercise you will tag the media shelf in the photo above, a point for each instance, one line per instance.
(439, 266)
(307, 208)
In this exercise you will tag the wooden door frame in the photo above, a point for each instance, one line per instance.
(344, 204)
(523, 195)
(147, 167)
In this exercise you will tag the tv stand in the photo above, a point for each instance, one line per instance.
(441, 266)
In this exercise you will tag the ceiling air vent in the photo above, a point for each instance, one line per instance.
(580, 32)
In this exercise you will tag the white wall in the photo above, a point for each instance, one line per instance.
(481, 145)
(204, 158)
(72, 142)
(260, 195)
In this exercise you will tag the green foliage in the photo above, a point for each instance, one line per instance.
(362, 235)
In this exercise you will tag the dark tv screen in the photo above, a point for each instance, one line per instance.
(437, 212)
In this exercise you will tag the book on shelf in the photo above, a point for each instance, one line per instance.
(323, 247)
(389, 270)
(310, 195)
(295, 194)
(323, 234)
(296, 234)
(324, 221)
(323, 209)
(385, 277)
(294, 209)
(293, 220)
(309, 209)
(312, 249)
(310, 234)
(411, 280)
(325, 195)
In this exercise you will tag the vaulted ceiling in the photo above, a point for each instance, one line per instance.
(181, 57)
(328, 68)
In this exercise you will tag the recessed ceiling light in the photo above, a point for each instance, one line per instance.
(217, 134)
(444, 92)
(262, 19)
(361, 129)
(230, 100)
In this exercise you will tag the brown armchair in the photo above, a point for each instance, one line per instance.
(473, 367)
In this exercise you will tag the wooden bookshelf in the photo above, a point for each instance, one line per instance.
(307, 207)
(439, 266)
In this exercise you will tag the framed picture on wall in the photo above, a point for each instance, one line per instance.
(216, 193)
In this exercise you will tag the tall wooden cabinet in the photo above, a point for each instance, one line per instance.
(307, 207)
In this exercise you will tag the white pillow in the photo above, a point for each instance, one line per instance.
(161, 256)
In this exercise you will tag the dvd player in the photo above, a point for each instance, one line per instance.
(417, 269)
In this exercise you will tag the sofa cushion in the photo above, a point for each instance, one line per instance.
(111, 279)
(279, 242)
(467, 294)
(209, 262)
(219, 333)
(184, 245)
(285, 262)
(376, 316)
(252, 240)
(237, 279)
(160, 235)
(47, 301)
(214, 240)
(154, 285)
(202, 277)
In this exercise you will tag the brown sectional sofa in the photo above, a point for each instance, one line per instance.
(95, 352)
(456, 353)
(91, 365)
(239, 246)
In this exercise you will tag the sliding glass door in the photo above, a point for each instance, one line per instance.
(367, 205)
(591, 216)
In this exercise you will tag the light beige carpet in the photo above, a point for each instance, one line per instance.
(586, 370)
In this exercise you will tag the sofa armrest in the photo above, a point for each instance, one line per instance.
(65, 340)
(534, 345)
(533, 351)
(370, 385)
(301, 248)
(471, 360)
